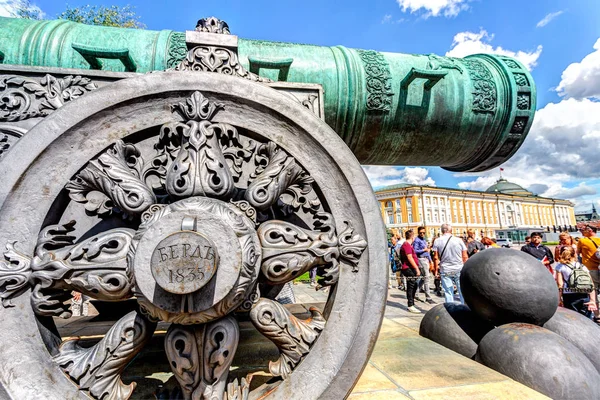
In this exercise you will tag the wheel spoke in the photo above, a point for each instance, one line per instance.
(200, 356)
(117, 174)
(97, 369)
(289, 251)
(291, 335)
(281, 171)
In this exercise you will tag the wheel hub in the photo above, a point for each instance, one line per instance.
(194, 260)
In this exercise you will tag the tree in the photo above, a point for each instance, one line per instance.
(24, 9)
(123, 17)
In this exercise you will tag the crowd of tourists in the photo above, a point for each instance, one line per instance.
(419, 265)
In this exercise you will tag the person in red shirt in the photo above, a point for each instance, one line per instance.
(410, 269)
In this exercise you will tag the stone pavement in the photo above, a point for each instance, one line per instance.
(405, 365)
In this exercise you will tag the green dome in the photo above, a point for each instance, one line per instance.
(505, 187)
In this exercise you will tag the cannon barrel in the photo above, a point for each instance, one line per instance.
(468, 114)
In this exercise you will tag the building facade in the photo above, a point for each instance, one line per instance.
(502, 206)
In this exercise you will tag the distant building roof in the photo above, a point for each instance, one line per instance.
(392, 187)
(505, 187)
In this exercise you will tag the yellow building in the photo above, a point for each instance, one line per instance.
(502, 206)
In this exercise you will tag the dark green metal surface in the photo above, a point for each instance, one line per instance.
(392, 109)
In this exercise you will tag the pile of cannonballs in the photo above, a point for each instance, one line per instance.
(512, 324)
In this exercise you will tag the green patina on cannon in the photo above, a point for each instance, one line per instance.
(468, 114)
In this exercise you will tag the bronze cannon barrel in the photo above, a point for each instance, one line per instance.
(468, 114)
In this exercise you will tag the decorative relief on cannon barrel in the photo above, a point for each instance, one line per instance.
(378, 79)
(22, 98)
(97, 369)
(291, 335)
(177, 49)
(484, 88)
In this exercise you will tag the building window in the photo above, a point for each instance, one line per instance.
(398, 217)
(390, 217)
(410, 218)
(435, 217)
(427, 201)
(435, 201)
(428, 215)
(388, 204)
(398, 204)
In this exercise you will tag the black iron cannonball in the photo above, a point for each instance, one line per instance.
(454, 326)
(540, 359)
(506, 285)
(578, 330)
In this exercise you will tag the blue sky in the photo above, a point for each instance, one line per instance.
(555, 38)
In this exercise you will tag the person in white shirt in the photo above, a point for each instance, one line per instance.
(450, 254)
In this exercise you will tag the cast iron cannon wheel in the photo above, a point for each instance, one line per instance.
(188, 192)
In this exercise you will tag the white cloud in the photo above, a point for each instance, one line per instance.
(466, 43)
(548, 18)
(386, 19)
(434, 8)
(9, 8)
(561, 149)
(386, 175)
(582, 79)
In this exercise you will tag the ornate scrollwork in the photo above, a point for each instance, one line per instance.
(212, 25)
(292, 336)
(95, 267)
(207, 184)
(246, 208)
(97, 369)
(216, 59)
(15, 273)
(289, 251)
(378, 79)
(117, 174)
(436, 63)
(22, 98)
(200, 357)
(176, 50)
(280, 172)
(484, 88)
(200, 167)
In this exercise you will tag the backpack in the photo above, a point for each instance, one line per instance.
(597, 253)
(393, 264)
(579, 281)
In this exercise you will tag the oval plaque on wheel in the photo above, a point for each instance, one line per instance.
(183, 262)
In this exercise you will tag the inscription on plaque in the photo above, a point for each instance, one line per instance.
(184, 262)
